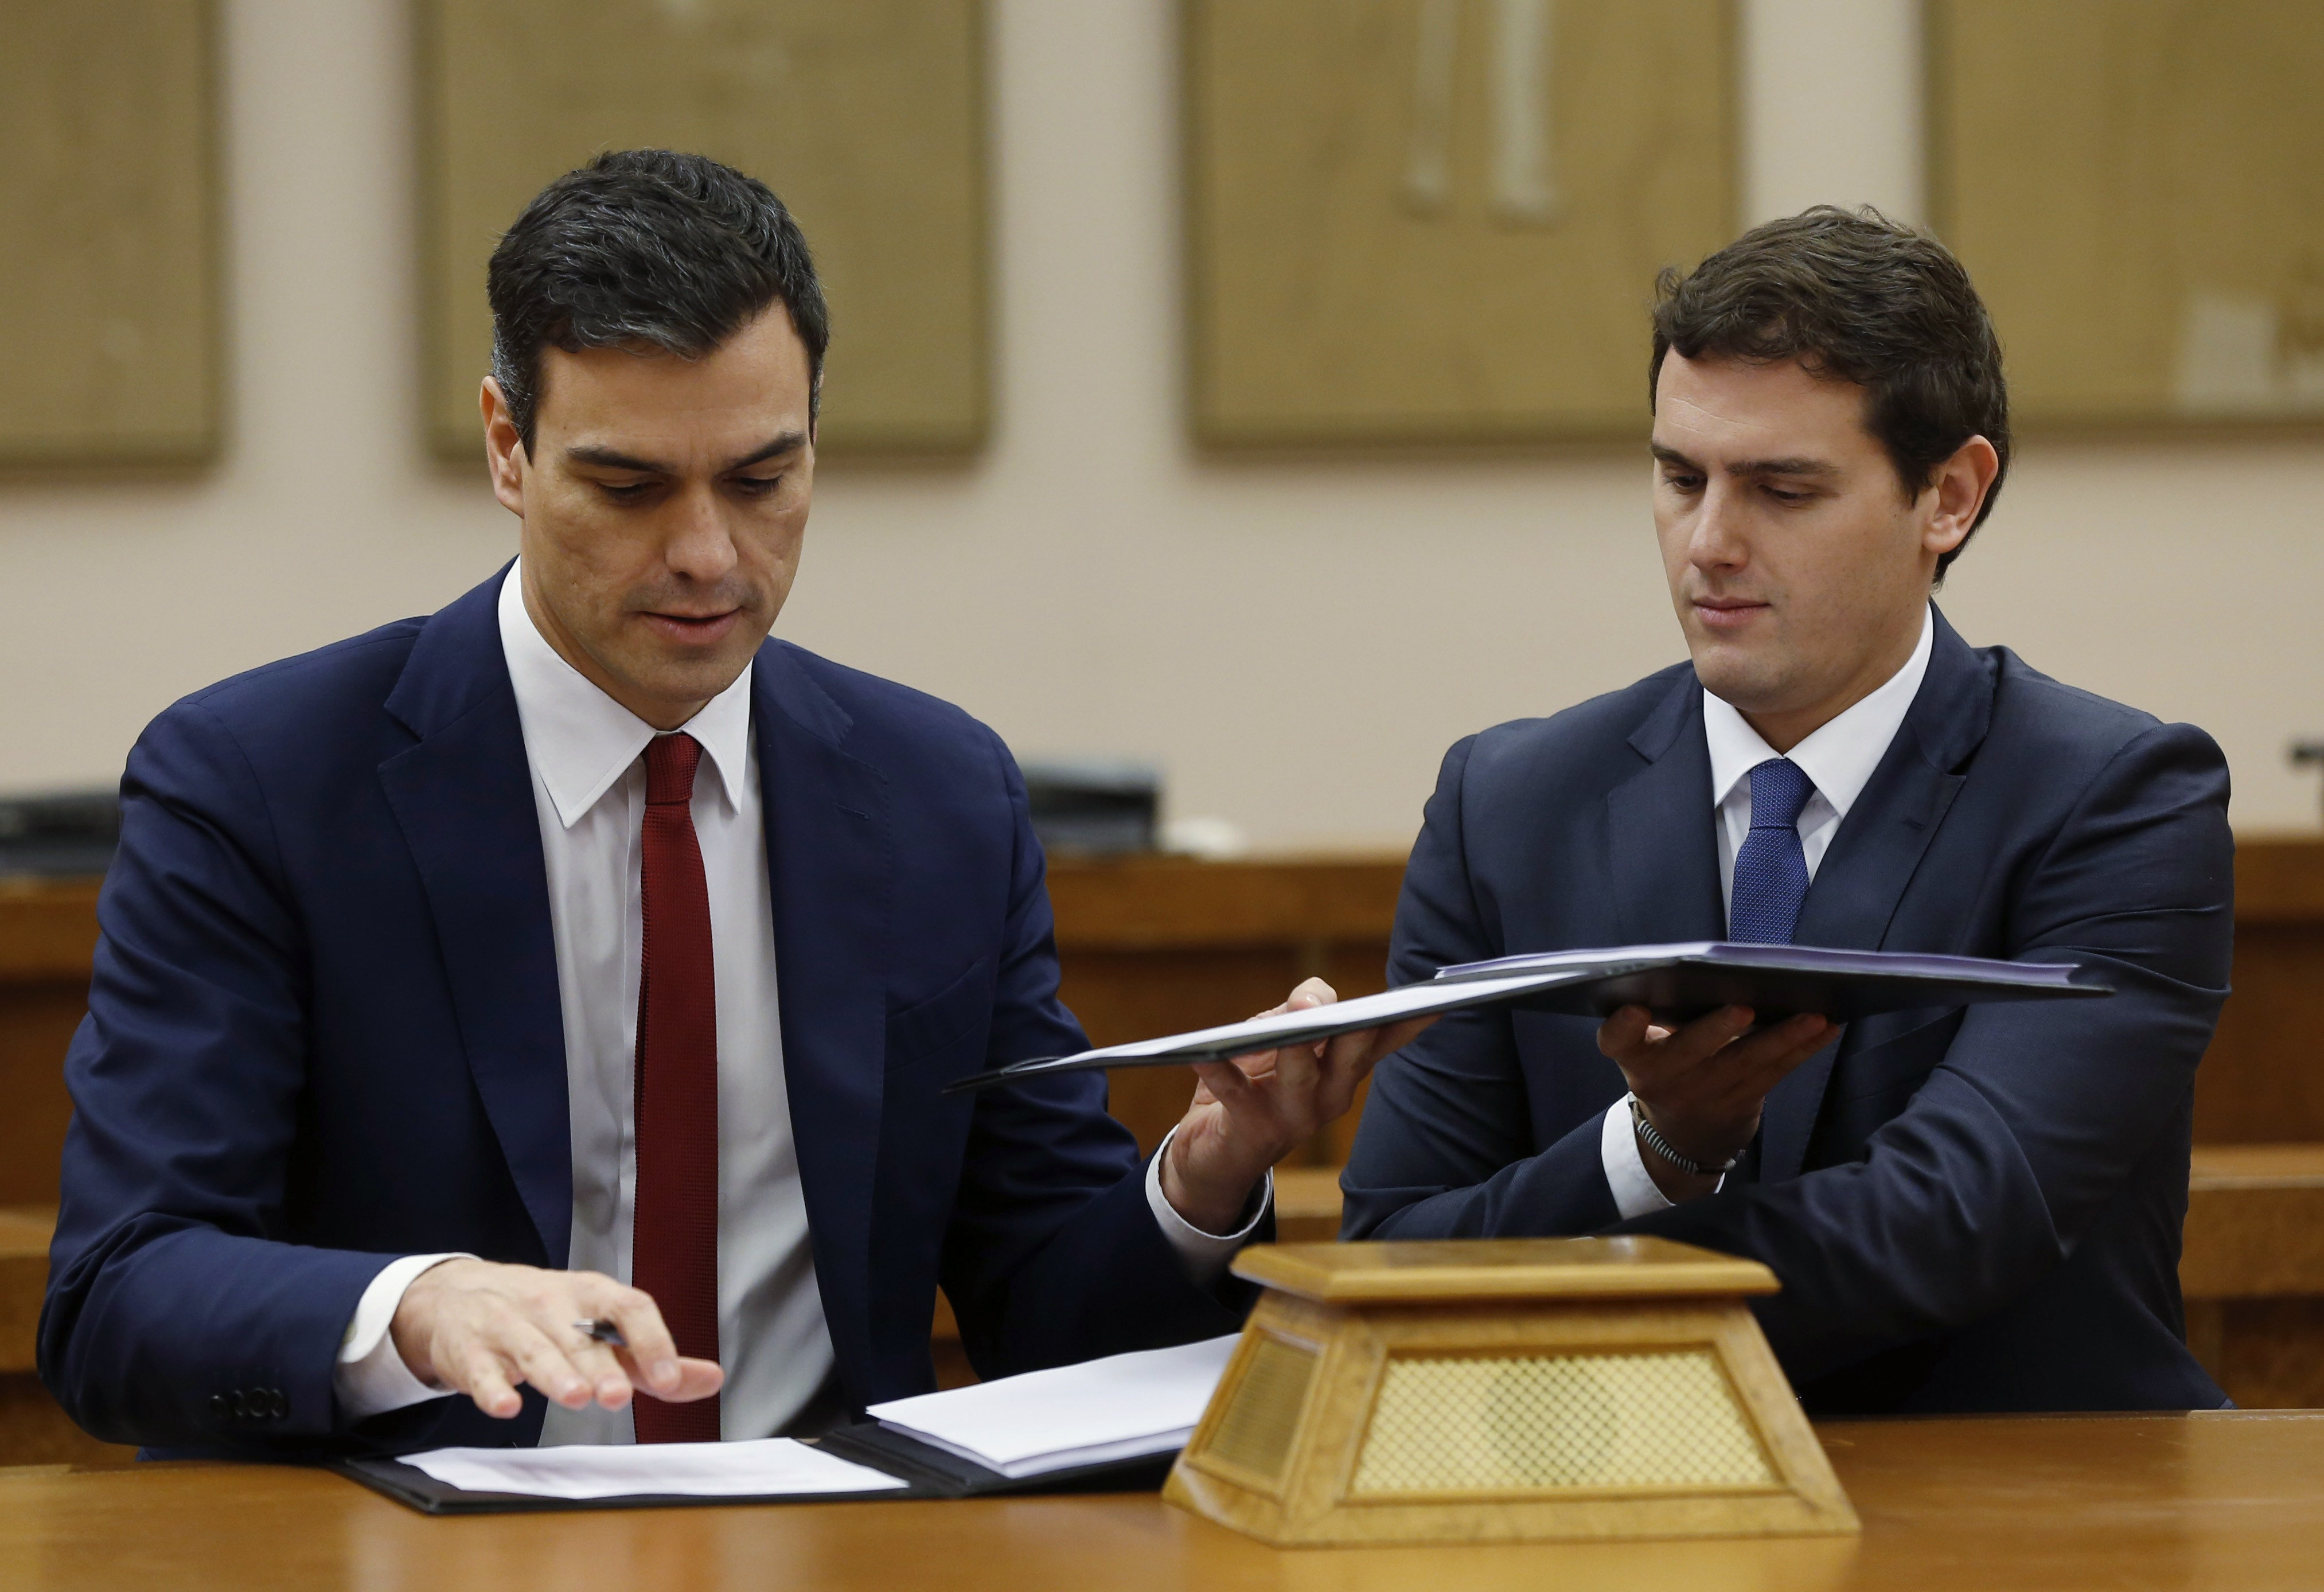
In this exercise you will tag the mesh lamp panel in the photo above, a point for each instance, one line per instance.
(1259, 1426)
(1469, 1424)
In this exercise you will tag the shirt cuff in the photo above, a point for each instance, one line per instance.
(370, 1378)
(1635, 1191)
(1204, 1254)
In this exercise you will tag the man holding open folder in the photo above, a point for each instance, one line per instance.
(1969, 1207)
(531, 1022)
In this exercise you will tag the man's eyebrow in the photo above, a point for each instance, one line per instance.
(611, 458)
(1798, 467)
(788, 442)
(1792, 466)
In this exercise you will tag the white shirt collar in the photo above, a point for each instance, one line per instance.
(1840, 757)
(580, 740)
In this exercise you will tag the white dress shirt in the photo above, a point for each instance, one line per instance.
(1838, 759)
(588, 781)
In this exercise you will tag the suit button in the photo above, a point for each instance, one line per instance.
(221, 1406)
(278, 1404)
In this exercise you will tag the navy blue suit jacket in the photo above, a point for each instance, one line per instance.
(1969, 1209)
(324, 1030)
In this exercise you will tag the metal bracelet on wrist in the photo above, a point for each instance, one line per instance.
(1663, 1147)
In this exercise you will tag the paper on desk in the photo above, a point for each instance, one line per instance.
(1117, 1408)
(768, 1467)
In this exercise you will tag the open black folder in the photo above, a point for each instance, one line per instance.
(1676, 982)
(1111, 1424)
(927, 1471)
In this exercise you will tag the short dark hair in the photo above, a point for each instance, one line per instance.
(1857, 298)
(646, 247)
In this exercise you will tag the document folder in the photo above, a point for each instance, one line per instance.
(927, 1472)
(412, 1486)
(1113, 1424)
(1676, 982)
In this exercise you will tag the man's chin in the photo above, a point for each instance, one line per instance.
(1735, 675)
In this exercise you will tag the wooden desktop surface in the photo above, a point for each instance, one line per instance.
(2122, 1502)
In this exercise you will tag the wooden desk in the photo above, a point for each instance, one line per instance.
(2252, 1271)
(2188, 1503)
(48, 936)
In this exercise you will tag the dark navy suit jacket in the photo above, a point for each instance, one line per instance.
(324, 1030)
(1971, 1209)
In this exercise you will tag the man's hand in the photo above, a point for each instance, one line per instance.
(1703, 1086)
(478, 1328)
(1251, 1111)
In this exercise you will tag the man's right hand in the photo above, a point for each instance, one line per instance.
(480, 1328)
(1702, 1085)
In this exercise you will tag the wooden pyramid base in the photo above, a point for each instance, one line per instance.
(1477, 1419)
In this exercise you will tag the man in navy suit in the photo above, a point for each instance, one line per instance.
(579, 955)
(1969, 1209)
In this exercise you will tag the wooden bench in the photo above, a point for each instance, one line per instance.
(1152, 944)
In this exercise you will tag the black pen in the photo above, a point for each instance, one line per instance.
(605, 1332)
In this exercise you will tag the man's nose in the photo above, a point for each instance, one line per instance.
(701, 546)
(1718, 542)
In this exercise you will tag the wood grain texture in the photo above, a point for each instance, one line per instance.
(1176, 903)
(24, 1234)
(2131, 183)
(48, 936)
(1498, 1269)
(2256, 1224)
(1360, 272)
(2262, 1082)
(865, 116)
(2165, 1503)
(108, 257)
(1151, 946)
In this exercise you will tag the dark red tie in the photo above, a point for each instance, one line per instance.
(673, 1243)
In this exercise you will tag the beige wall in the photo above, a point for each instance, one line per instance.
(1294, 643)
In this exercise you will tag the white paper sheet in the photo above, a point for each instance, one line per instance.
(767, 1466)
(1116, 1408)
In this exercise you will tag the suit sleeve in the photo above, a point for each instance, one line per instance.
(179, 1310)
(1054, 1255)
(2012, 1147)
(1442, 1151)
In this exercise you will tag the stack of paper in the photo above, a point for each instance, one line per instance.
(769, 1467)
(1119, 1408)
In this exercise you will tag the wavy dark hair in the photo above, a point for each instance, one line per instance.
(1854, 296)
(646, 247)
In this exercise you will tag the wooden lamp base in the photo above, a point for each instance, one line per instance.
(1505, 1390)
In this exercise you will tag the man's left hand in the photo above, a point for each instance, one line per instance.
(1251, 1111)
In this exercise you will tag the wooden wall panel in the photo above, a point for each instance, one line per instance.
(108, 249)
(2262, 1082)
(1418, 222)
(2134, 186)
(866, 117)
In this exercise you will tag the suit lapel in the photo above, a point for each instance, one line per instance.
(463, 797)
(1873, 856)
(1659, 828)
(830, 864)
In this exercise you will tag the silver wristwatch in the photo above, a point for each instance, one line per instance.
(1663, 1147)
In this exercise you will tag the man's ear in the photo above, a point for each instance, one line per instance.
(1959, 490)
(503, 447)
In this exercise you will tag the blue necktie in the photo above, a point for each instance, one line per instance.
(1771, 871)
